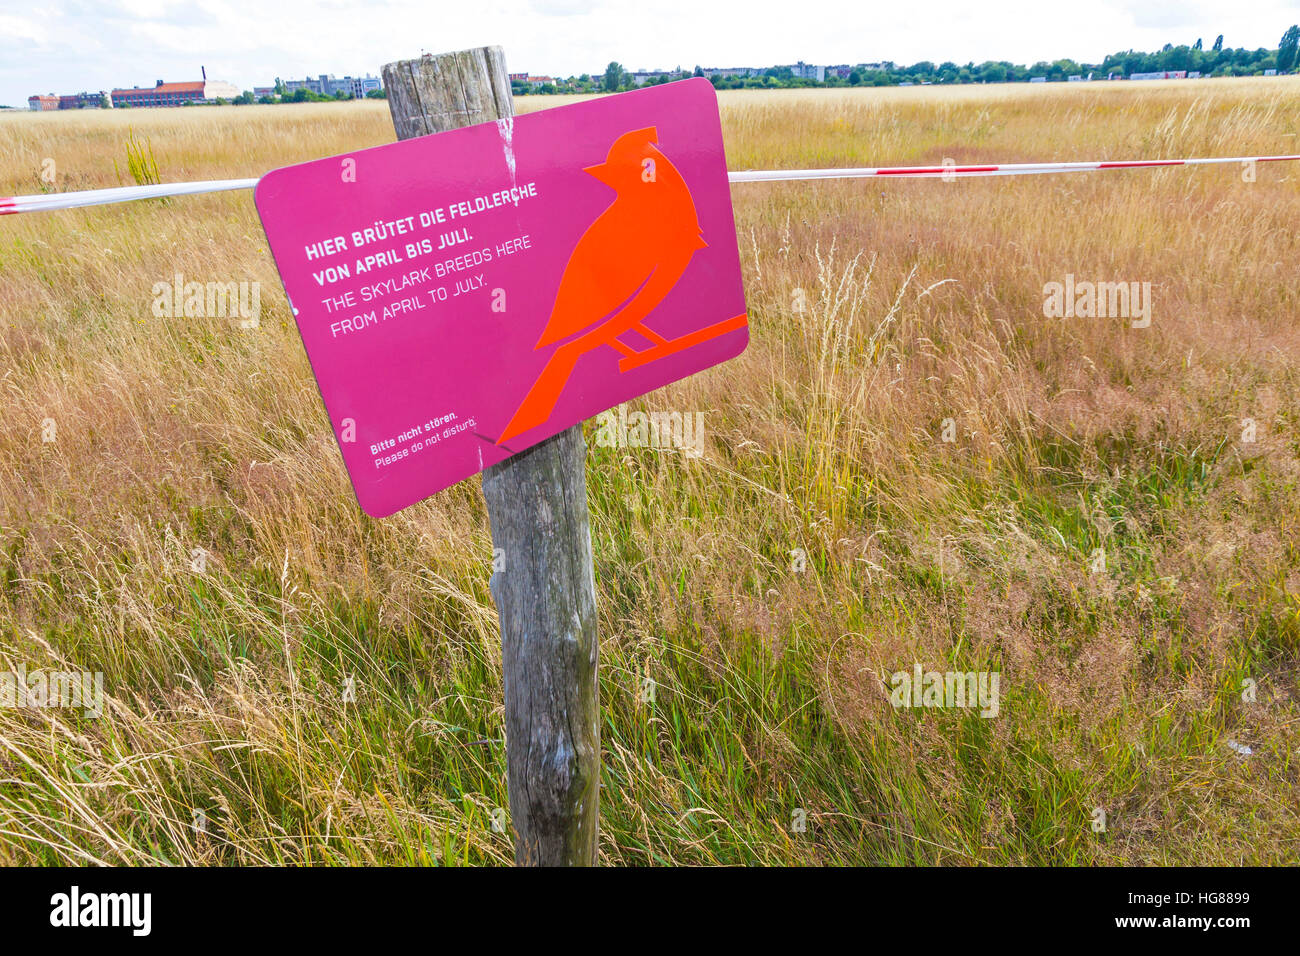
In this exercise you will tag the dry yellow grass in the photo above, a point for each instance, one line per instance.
(879, 311)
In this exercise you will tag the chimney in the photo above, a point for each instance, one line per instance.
(204, 71)
(158, 84)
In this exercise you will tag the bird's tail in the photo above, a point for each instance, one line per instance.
(540, 401)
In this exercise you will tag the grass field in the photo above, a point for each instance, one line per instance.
(884, 315)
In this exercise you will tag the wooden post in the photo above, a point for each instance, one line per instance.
(545, 590)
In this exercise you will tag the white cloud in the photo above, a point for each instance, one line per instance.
(17, 29)
(563, 8)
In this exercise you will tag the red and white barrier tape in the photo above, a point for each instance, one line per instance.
(99, 197)
(1002, 169)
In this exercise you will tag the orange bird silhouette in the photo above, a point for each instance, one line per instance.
(624, 265)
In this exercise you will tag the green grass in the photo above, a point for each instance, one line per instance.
(738, 736)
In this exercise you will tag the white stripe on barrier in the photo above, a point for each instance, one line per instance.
(99, 197)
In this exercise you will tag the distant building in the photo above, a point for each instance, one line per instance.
(361, 85)
(841, 71)
(528, 79)
(807, 71)
(326, 84)
(732, 71)
(1166, 75)
(175, 94)
(642, 77)
(83, 101)
(261, 91)
(73, 101)
(1038, 79)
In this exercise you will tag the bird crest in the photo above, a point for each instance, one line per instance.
(626, 163)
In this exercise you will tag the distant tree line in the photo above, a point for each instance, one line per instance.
(1215, 61)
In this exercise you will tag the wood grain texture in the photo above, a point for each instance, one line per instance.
(437, 93)
(546, 596)
(545, 592)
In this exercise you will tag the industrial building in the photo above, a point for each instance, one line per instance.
(160, 94)
(175, 94)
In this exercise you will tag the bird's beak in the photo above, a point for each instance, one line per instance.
(600, 171)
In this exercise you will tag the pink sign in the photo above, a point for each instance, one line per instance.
(466, 295)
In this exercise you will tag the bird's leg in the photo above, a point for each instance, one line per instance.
(650, 334)
(672, 346)
(633, 315)
(653, 337)
(541, 399)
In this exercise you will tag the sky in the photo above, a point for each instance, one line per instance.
(67, 46)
